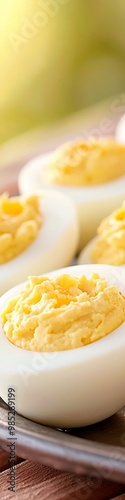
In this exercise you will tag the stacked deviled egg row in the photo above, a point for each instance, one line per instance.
(64, 198)
(77, 309)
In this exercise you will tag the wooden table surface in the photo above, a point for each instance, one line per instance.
(32, 480)
(43, 483)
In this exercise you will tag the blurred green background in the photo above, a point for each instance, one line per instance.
(57, 57)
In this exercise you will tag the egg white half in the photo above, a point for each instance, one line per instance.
(71, 388)
(54, 247)
(84, 256)
(93, 203)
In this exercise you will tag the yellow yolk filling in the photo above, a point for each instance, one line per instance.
(64, 312)
(110, 247)
(89, 163)
(20, 221)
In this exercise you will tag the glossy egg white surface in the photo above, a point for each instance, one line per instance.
(84, 256)
(120, 130)
(54, 246)
(70, 388)
(93, 203)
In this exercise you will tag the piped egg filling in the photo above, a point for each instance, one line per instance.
(63, 312)
(110, 246)
(20, 221)
(86, 163)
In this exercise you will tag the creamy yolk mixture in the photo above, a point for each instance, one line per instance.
(64, 312)
(87, 163)
(20, 221)
(110, 247)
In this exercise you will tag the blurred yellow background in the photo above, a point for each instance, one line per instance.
(57, 57)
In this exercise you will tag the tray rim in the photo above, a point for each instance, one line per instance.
(63, 451)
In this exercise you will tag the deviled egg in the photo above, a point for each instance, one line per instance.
(62, 345)
(92, 173)
(108, 247)
(37, 234)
